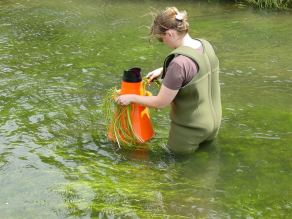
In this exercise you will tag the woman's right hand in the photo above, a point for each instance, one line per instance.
(154, 74)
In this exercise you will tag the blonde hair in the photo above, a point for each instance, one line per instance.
(170, 18)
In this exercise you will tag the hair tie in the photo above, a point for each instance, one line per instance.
(179, 16)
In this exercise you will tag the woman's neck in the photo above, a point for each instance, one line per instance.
(186, 40)
(176, 40)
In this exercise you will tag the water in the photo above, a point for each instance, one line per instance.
(57, 60)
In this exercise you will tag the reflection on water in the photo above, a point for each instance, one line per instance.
(57, 60)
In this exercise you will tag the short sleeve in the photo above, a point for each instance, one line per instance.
(181, 70)
(174, 76)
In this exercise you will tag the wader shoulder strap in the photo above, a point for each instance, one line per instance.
(182, 50)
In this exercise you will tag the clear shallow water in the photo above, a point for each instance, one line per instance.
(57, 60)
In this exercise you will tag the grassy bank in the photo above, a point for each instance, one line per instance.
(281, 4)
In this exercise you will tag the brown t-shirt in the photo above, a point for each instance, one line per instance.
(181, 70)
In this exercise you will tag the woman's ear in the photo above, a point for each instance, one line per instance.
(169, 32)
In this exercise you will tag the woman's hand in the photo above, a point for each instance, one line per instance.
(154, 74)
(124, 100)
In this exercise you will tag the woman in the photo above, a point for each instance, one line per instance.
(190, 85)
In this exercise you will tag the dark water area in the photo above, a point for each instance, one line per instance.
(58, 58)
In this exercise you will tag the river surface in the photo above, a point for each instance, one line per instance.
(57, 60)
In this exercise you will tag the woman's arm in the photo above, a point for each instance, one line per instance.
(162, 100)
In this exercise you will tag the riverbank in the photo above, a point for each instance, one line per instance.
(279, 4)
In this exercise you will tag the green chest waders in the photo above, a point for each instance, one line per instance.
(196, 110)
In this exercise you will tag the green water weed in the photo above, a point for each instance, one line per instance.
(156, 81)
(118, 118)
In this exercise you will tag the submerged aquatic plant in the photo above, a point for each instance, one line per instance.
(118, 118)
